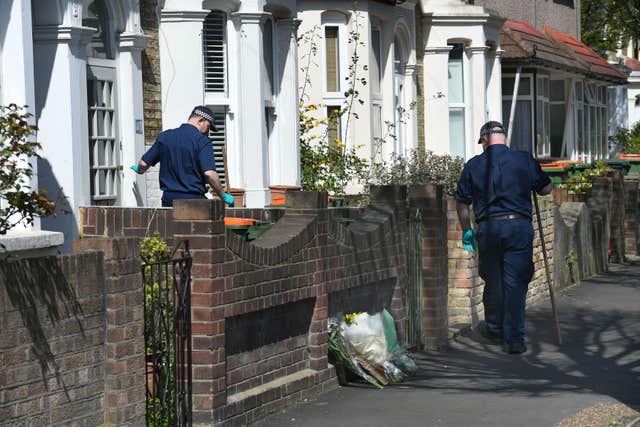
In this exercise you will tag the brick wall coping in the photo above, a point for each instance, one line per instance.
(284, 240)
(27, 241)
(369, 230)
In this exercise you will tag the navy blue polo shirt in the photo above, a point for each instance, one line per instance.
(184, 155)
(499, 182)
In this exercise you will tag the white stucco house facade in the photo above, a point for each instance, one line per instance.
(76, 64)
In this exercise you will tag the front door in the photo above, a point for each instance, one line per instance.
(104, 142)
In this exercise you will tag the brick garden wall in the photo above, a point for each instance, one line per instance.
(260, 309)
(72, 346)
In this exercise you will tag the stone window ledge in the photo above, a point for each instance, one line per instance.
(31, 243)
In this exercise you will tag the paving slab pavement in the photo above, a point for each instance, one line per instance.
(476, 384)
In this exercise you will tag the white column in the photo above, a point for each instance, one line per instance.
(494, 87)
(255, 155)
(285, 151)
(436, 104)
(131, 117)
(410, 95)
(181, 64)
(478, 102)
(61, 108)
(16, 68)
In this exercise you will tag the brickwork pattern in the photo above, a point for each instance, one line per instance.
(465, 284)
(71, 347)
(307, 254)
(632, 215)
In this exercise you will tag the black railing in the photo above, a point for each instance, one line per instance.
(167, 334)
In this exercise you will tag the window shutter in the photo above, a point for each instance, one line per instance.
(214, 49)
(218, 140)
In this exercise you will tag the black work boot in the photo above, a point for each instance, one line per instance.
(515, 347)
(491, 337)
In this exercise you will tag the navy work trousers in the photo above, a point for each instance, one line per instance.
(505, 248)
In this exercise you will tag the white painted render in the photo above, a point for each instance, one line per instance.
(452, 21)
(634, 98)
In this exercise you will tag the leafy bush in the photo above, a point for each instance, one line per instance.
(326, 165)
(627, 141)
(421, 167)
(17, 201)
(580, 184)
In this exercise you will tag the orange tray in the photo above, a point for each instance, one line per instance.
(278, 201)
(228, 220)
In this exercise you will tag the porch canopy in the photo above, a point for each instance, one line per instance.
(555, 93)
(525, 45)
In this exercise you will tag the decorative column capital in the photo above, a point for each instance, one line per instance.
(183, 15)
(133, 42)
(290, 23)
(58, 34)
(255, 18)
(437, 50)
(477, 50)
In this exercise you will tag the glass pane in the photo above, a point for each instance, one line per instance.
(603, 133)
(332, 59)
(557, 123)
(580, 132)
(376, 132)
(521, 135)
(456, 132)
(557, 90)
(593, 131)
(456, 77)
(547, 132)
(334, 126)
(376, 65)
(579, 91)
(101, 153)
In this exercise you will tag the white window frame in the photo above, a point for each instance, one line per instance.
(376, 97)
(220, 97)
(543, 147)
(466, 93)
(334, 19)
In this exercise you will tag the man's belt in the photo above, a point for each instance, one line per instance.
(502, 217)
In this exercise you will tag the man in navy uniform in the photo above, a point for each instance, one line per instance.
(499, 183)
(186, 160)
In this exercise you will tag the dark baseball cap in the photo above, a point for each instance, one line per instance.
(207, 114)
(489, 128)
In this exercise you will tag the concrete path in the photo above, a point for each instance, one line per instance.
(476, 384)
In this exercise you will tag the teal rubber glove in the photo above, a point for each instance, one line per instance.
(468, 240)
(135, 169)
(228, 199)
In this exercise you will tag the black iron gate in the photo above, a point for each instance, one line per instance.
(167, 334)
(414, 279)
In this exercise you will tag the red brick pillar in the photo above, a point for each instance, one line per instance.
(125, 389)
(395, 197)
(632, 214)
(201, 222)
(430, 200)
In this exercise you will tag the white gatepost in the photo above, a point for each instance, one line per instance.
(254, 147)
(285, 150)
(478, 110)
(131, 115)
(61, 108)
(436, 104)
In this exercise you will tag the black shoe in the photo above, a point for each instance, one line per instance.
(515, 347)
(494, 339)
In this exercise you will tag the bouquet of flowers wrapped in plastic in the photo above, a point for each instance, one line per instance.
(367, 346)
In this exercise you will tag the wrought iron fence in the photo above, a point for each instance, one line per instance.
(167, 324)
(414, 280)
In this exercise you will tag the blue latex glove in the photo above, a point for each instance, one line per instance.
(228, 199)
(135, 169)
(468, 240)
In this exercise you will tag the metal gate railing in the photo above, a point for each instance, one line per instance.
(167, 334)
(414, 280)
